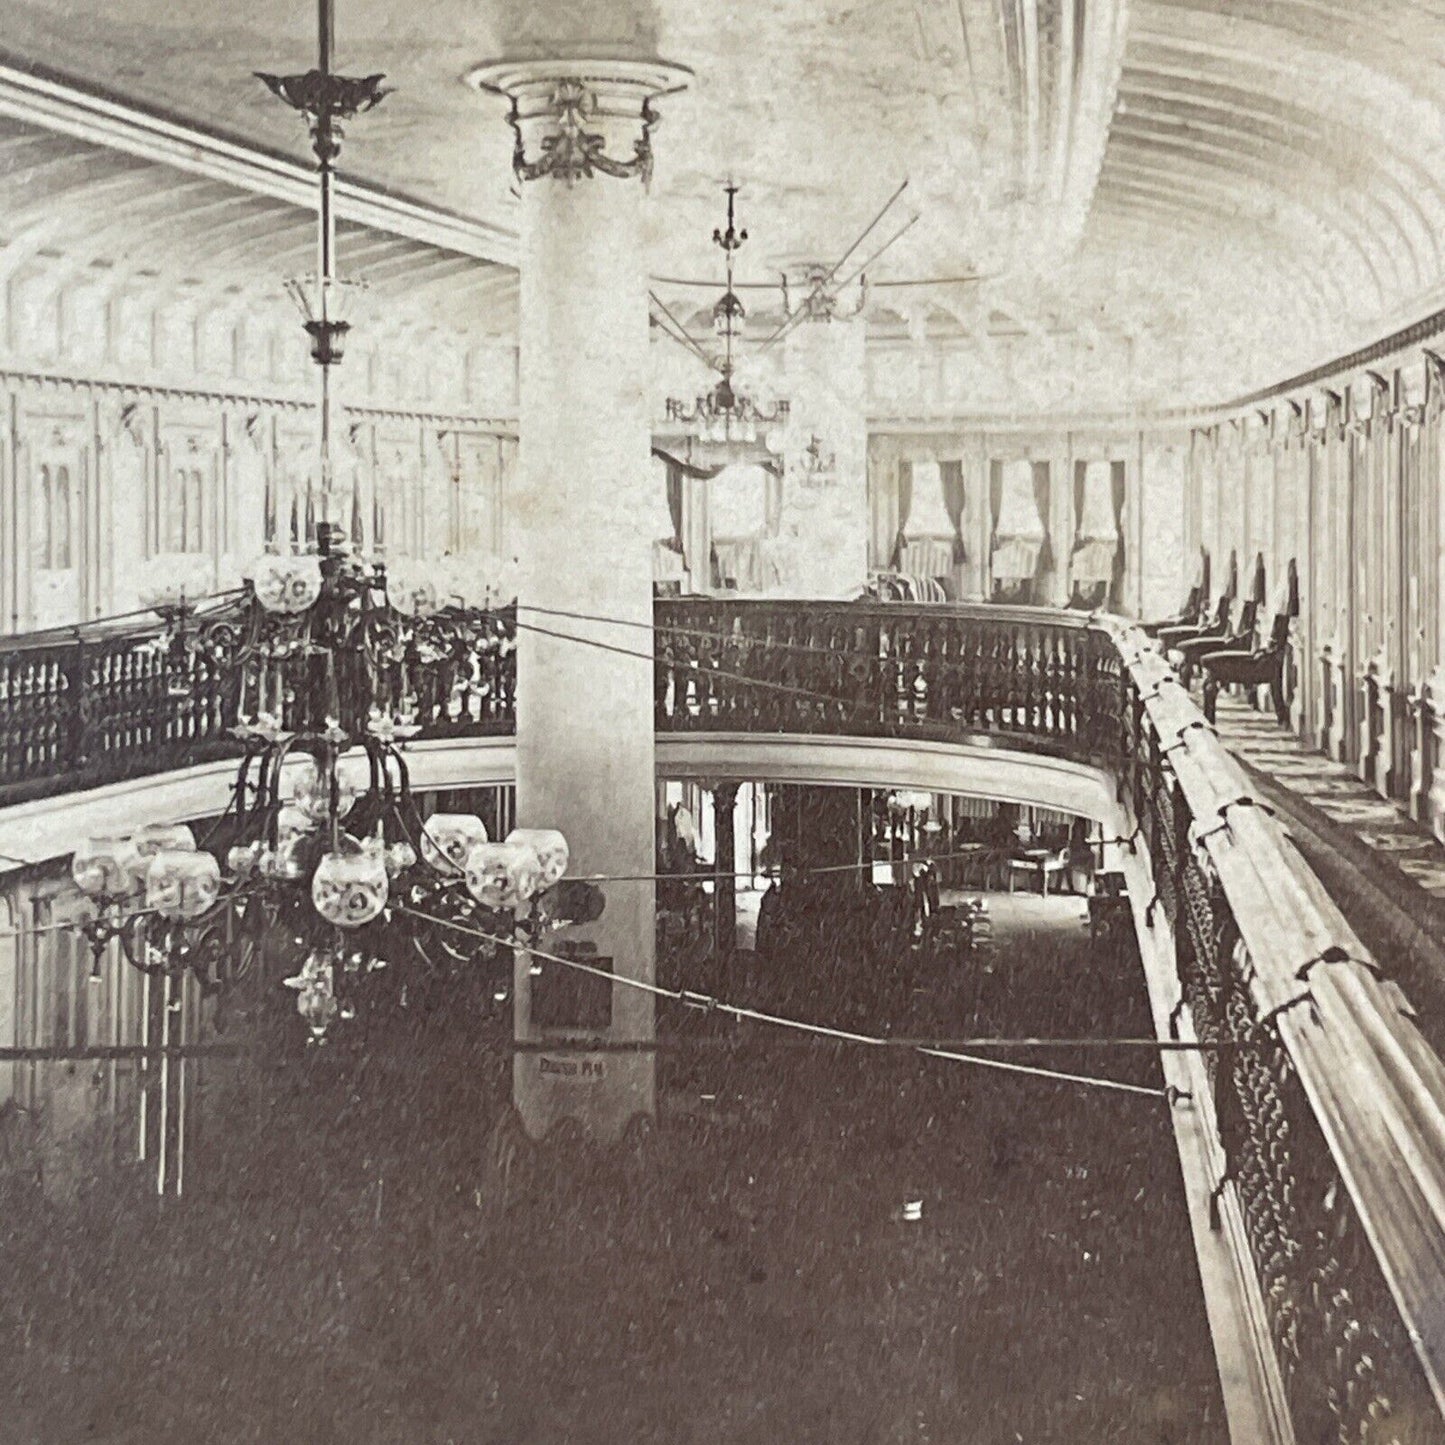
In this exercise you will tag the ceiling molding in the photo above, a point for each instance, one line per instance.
(66, 109)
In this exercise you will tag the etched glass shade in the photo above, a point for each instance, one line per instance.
(104, 864)
(287, 584)
(503, 875)
(551, 850)
(182, 883)
(448, 839)
(350, 886)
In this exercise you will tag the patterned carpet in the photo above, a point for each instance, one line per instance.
(1334, 791)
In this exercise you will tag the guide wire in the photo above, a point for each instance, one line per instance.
(709, 1004)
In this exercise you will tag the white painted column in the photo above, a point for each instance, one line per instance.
(578, 514)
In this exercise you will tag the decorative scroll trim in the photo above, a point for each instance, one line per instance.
(570, 151)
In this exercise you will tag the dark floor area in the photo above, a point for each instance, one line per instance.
(370, 1250)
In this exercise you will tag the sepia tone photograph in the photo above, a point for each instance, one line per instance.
(722, 724)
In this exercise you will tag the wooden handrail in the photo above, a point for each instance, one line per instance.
(1376, 1088)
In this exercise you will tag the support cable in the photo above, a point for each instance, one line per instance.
(709, 1004)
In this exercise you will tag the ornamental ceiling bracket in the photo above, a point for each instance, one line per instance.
(571, 149)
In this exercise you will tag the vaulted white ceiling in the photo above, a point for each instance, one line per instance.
(1198, 196)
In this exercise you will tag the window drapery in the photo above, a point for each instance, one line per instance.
(674, 504)
(905, 507)
(930, 502)
(745, 509)
(1096, 527)
(1041, 481)
(1018, 496)
(954, 501)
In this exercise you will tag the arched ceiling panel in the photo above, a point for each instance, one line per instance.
(1282, 161)
(84, 214)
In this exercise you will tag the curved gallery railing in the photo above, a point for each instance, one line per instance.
(1329, 1105)
(101, 704)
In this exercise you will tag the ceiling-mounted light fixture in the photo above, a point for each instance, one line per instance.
(326, 100)
(727, 413)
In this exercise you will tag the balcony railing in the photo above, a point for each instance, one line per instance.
(1045, 680)
(100, 705)
(1329, 1105)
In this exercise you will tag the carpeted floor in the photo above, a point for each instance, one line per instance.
(1336, 791)
(1385, 872)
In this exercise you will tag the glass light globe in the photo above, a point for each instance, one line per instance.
(503, 875)
(349, 887)
(293, 822)
(105, 865)
(409, 590)
(287, 584)
(312, 795)
(448, 838)
(550, 847)
(242, 859)
(156, 838)
(182, 883)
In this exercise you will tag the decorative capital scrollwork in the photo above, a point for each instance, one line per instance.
(569, 119)
(570, 151)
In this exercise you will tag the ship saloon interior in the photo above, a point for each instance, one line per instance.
(722, 724)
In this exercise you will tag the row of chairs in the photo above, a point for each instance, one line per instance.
(1224, 639)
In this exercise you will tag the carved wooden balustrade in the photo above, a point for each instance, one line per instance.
(102, 705)
(1329, 1104)
(99, 705)
(1043, 678)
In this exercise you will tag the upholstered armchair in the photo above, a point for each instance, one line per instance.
(1214, 622)
(1238, 633)
(1254, 667)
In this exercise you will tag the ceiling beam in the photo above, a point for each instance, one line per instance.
(1220, 148)
(63, 107)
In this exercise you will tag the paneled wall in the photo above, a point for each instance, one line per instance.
(1347, 479)
(111, 492)
(151, 436)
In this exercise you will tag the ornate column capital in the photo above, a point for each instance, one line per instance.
(577, 118)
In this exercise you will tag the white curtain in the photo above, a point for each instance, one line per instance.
(738, 506)
(929, 552)
(667, 562)
(1019, 536)
(1097, 534)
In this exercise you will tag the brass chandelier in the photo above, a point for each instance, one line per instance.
(726, 413)
(323, 844)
